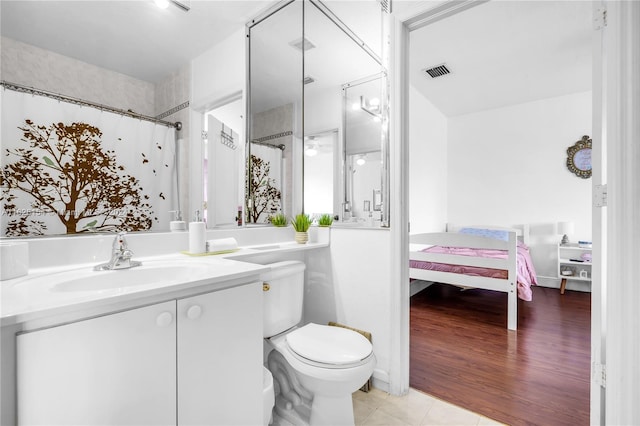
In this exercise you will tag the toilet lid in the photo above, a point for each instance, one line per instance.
(329, 345)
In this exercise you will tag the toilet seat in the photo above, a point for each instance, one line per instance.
(328, 347)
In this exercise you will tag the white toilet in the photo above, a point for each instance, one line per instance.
(315, 367)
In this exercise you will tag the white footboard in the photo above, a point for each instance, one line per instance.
(452, 239)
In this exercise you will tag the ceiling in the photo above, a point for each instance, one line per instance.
(499, 53)
(132, 37)
(277, 67)
(503, 53)
(136, 38)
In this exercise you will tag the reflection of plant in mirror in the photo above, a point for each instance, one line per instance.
(325, 220)
(278, 220)
(67, 175)
(301, 222)
(264, 195)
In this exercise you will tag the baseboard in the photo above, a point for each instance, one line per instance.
(381, 380)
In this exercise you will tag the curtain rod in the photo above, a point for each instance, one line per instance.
(270, 145)
(31, 90)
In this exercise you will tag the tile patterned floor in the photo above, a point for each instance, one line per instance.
(415, 408)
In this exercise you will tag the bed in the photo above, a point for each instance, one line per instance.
(476, 257)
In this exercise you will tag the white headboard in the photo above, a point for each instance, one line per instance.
(522, 231)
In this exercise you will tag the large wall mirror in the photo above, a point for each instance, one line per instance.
(140, 60)
(316, 108)
(295, 107)
(274, 125)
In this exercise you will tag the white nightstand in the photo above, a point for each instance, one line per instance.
(569, 256)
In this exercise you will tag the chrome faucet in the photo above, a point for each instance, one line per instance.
(120, 256)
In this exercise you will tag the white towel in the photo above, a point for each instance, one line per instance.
(222, 244)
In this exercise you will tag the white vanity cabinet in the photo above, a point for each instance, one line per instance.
(220, 357)
(118, 369)
(193, 360)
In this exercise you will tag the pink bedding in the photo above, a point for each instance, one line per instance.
(525, 271)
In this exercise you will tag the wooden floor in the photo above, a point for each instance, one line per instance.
(461, 352)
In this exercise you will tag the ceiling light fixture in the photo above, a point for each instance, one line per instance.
(163, 4)
(360, 160)
(302, 44)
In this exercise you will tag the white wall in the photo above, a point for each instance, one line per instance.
(323, 110)
(318, 183)
(220, 71)
(46, 70)
(508, 166)
(351, 284)
(427, 165)
(216, 75)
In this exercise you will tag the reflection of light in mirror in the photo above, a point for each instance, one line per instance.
(371, 106)
(311, 147)
(162, 4)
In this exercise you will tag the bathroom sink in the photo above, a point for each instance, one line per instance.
(150, 273)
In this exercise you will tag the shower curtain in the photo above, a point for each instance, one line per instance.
(70, 169)
(272, 157)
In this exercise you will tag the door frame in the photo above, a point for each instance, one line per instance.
(423, 14)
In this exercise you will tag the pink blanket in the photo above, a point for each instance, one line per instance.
(525, 270)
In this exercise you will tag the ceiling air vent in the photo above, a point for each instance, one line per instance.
(302, 44)
(438, 71)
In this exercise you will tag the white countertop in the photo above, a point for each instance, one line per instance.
(45, 292)
(40, 294)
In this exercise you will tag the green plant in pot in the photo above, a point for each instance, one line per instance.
(279, 220)
(325, 220)
(301, 224)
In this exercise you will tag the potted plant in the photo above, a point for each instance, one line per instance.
(278, 220)
(325, 220)
(301, 225)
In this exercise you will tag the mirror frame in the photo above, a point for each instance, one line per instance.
(577, 167)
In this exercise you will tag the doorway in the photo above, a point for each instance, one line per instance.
(418, 20)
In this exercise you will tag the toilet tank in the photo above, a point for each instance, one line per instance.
(282, 296)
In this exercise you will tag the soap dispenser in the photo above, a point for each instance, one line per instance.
(177, 224)
(197, 238)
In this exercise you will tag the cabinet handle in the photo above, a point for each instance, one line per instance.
(164, 319)
(194, 312)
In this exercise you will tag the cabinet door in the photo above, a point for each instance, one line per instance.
(118, 369)
(220, 357)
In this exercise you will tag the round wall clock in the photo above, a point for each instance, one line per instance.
(579, 158)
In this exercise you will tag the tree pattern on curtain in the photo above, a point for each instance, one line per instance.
(66, 174)
(264, 196)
